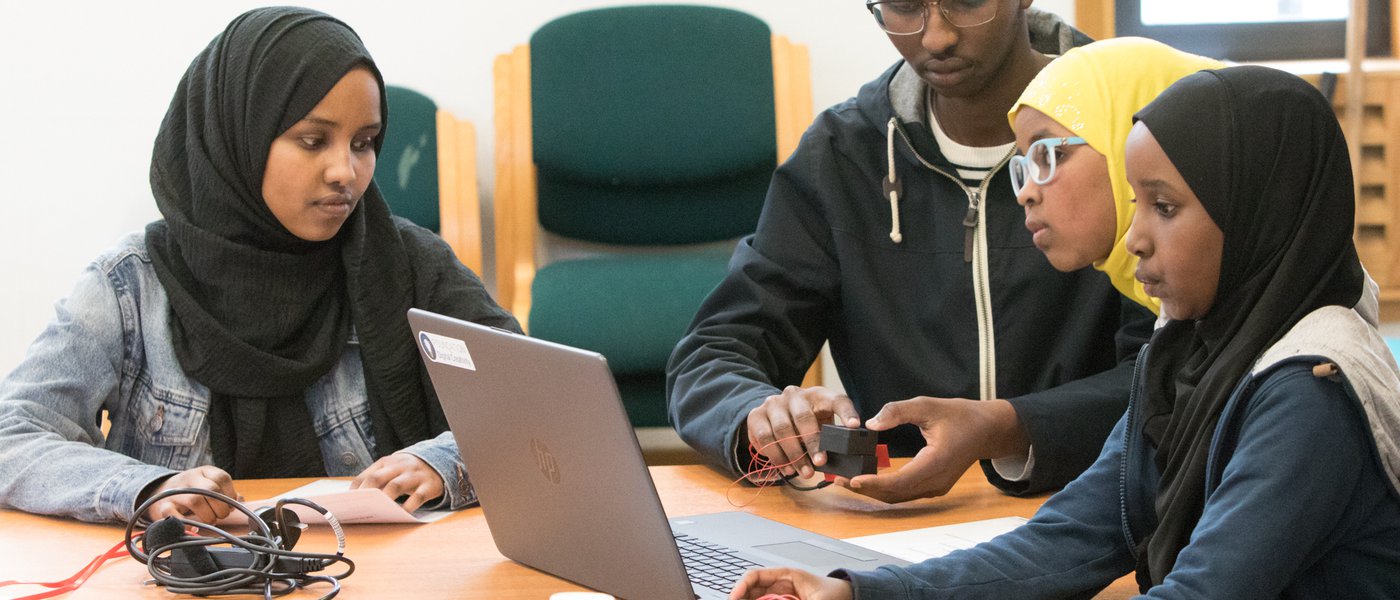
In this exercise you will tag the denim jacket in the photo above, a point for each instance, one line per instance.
(109, 349)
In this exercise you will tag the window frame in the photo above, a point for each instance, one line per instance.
(1259, 41)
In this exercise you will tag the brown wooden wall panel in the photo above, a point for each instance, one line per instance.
(1378, 198)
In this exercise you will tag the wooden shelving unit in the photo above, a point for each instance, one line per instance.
(1378, 197)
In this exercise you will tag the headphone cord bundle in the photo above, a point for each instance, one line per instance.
(213, 561)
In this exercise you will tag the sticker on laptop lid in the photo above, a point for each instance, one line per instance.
(446, 350)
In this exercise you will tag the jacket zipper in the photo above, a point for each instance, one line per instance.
(1131, 425)
(975, 252)
(974, 216)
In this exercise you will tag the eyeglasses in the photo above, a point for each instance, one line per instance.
(1038, 164)
(908, 17)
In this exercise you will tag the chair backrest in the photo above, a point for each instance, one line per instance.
(407, 169)
(683, 169)
(652, 124)
(637, 126)
(427, 171)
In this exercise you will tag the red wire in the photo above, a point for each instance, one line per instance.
(77, 580)
(762, 472)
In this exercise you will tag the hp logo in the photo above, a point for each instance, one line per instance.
(544, 460)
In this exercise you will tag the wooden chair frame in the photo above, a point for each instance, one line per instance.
(459, 201)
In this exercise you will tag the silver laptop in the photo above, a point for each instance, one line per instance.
(562, 482)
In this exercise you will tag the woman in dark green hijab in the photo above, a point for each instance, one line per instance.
(259, 328)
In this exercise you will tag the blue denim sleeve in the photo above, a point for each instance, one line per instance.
(1300, 449)
(1072, 548)
(51, 461)
(441, 454)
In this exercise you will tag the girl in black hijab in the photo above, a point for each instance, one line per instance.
(260, 327)
(1260, 454)
(1277, 186)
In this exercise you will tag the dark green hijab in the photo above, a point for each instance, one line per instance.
(1264, 153)
(259, 315)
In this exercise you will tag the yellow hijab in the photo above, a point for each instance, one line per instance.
(1094, 91)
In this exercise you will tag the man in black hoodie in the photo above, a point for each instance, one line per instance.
(892, 233)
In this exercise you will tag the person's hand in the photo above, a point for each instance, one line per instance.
(956, 433)
(193, 506)
(400, 474)
(797, 412)
(806, 586)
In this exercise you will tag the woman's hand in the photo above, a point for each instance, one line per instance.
(957, 432)
(193, 506)
(790, 582)
(402, 474)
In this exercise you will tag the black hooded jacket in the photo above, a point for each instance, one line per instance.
(914, 317)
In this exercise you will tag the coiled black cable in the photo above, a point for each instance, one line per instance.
(267, 569)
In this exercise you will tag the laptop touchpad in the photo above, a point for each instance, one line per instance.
(804, 553)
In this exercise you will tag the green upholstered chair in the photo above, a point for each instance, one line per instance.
(427, 171)
(648, 136)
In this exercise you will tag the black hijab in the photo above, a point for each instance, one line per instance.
(1263, 151)
(258, 315)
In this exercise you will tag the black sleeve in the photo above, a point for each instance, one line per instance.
(764, 324)
(1068, 423)
(446, 286)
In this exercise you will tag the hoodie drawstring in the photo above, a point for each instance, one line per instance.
(891, 187)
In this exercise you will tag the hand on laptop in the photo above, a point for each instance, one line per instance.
(797, 412)
(402, 474)
(806, 586)
(956, 433)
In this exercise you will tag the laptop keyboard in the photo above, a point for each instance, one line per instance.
(711, 565)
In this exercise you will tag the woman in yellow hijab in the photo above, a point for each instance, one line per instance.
(1071, 127)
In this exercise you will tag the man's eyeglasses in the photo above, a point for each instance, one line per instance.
(1038, 164)
(908, 17)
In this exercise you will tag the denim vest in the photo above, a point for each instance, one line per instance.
(109, 349)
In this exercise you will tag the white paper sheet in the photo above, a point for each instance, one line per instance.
(917, 545)
(350, 507)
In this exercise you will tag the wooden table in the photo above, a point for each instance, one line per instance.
(455, 557)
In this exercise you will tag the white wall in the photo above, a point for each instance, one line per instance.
(83, 86)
